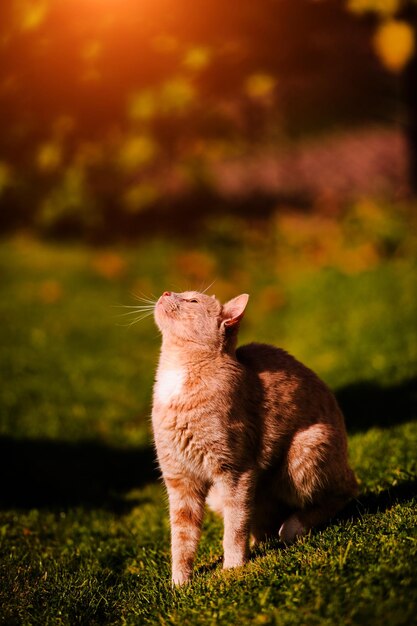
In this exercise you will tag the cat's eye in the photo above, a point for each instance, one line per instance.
(192, 300)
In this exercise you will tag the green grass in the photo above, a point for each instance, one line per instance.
(84, 530)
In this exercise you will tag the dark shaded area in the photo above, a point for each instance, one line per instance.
(186, 216)
(369, 503)
(368, 404)
(379, 502)
(42, 473)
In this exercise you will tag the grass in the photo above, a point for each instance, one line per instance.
(84, 530)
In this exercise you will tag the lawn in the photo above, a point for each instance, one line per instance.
(84, 530)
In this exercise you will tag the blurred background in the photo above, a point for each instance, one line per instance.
(268, 146)
(125, 117)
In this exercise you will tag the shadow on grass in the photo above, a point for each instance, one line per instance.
(44, 473)
(366, 504)
(379, 502)
(368, 404)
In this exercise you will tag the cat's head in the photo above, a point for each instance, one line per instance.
(199, 320)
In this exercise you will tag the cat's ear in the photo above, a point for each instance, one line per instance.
(232, 311)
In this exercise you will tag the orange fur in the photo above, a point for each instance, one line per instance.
(252, 431)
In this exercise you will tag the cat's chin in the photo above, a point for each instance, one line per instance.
(161, 315)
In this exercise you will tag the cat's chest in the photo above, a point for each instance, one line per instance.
(180, 437)
(188, 417)
(169, 385)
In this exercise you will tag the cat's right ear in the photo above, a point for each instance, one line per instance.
(232, 311)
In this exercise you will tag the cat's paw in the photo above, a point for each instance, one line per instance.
(179, 578)
(181, 574)
(235, 559)
(291, 529)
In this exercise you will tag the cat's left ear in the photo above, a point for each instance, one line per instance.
(232, 311)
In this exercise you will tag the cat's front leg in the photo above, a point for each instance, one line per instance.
(186, 510)
(238, 493)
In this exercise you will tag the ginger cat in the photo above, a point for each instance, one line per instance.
(251, 431)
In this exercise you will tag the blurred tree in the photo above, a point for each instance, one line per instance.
(108, 108)
(395, 42)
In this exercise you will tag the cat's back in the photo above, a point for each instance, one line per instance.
(290, 389)
(267, 360)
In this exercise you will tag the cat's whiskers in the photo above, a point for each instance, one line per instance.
(143, 298)
(210, 285)
(146, 301)
(134, 306)
(138, 308)
(137, 319)
(140, 311)
(136, 311)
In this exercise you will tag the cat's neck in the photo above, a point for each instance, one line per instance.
(187, 353)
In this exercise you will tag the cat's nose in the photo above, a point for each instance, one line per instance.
(166, 293)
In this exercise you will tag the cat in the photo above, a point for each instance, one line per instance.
(251, 431)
